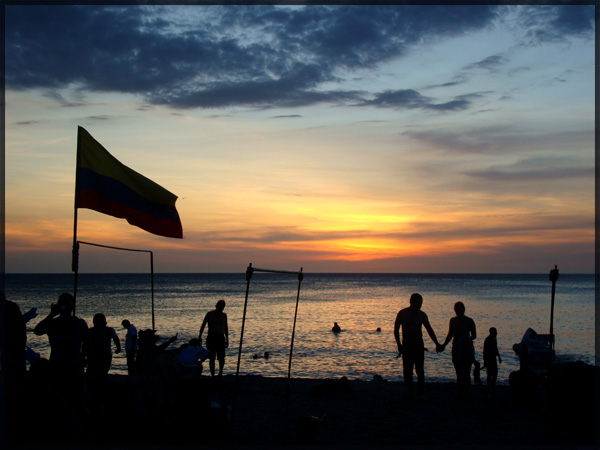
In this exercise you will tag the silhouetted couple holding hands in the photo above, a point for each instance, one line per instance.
(461, 332)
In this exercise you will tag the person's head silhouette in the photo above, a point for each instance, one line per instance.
(459, 308)
(416, 301)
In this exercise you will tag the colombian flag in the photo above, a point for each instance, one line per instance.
(107, 186)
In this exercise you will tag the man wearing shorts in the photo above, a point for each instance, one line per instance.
(412, 347)
(217, 339)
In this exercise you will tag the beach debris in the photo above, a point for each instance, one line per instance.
(307, 429)
(328, 386)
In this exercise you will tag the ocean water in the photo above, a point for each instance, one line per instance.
(359, 303)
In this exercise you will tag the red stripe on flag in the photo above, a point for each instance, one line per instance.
(152, 224)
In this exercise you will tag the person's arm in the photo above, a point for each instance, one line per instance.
(498, 354)
(473, 329)
(204, 322)
(226, 329)
(450, 334)
(164, 345)
(438, 347)
(397, 325)
(117, 343)
(44, 325)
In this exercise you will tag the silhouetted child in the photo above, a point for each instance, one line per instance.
(476, 372)
(490, 352)
(336, 328)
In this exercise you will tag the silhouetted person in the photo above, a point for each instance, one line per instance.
(525, 384)
(131, 345)
(412, 347)
(217, 339)
(101, 338)
(191, 357)
(336, 328)
(69, 347)
(14, 345)
(490, 353)
(148, 351)
(462, 332)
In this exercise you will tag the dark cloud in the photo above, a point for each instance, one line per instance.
(102, 117)
(490, 63)
(534, 170)
(554, 23)
(219, 56)
(410, 99)
(497, 139)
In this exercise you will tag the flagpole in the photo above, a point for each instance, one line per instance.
(75, 255)
(249, 272)
(287, 401)
(152, 286)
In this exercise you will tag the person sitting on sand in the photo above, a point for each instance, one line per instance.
(217, 339)
(336, 328)
(411, 347)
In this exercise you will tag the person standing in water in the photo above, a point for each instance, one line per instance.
(217, 339)
(412, 347)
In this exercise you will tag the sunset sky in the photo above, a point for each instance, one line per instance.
(333, 138)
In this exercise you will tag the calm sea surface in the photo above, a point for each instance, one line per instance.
(360, 303)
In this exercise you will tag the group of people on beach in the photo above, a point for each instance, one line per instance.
(75, 375)
(462, 332)
(74, 348)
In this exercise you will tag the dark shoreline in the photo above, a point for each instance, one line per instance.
(349, 413)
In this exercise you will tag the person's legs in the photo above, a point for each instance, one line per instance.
(211, 364)
(210, 346)
(459, 369)
(420, 370)
(130, 361)
(407, 372)
(220, 351)
(463, 379)
(467, 380)
(492, 375)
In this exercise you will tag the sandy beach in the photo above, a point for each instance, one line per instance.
(338, 413)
